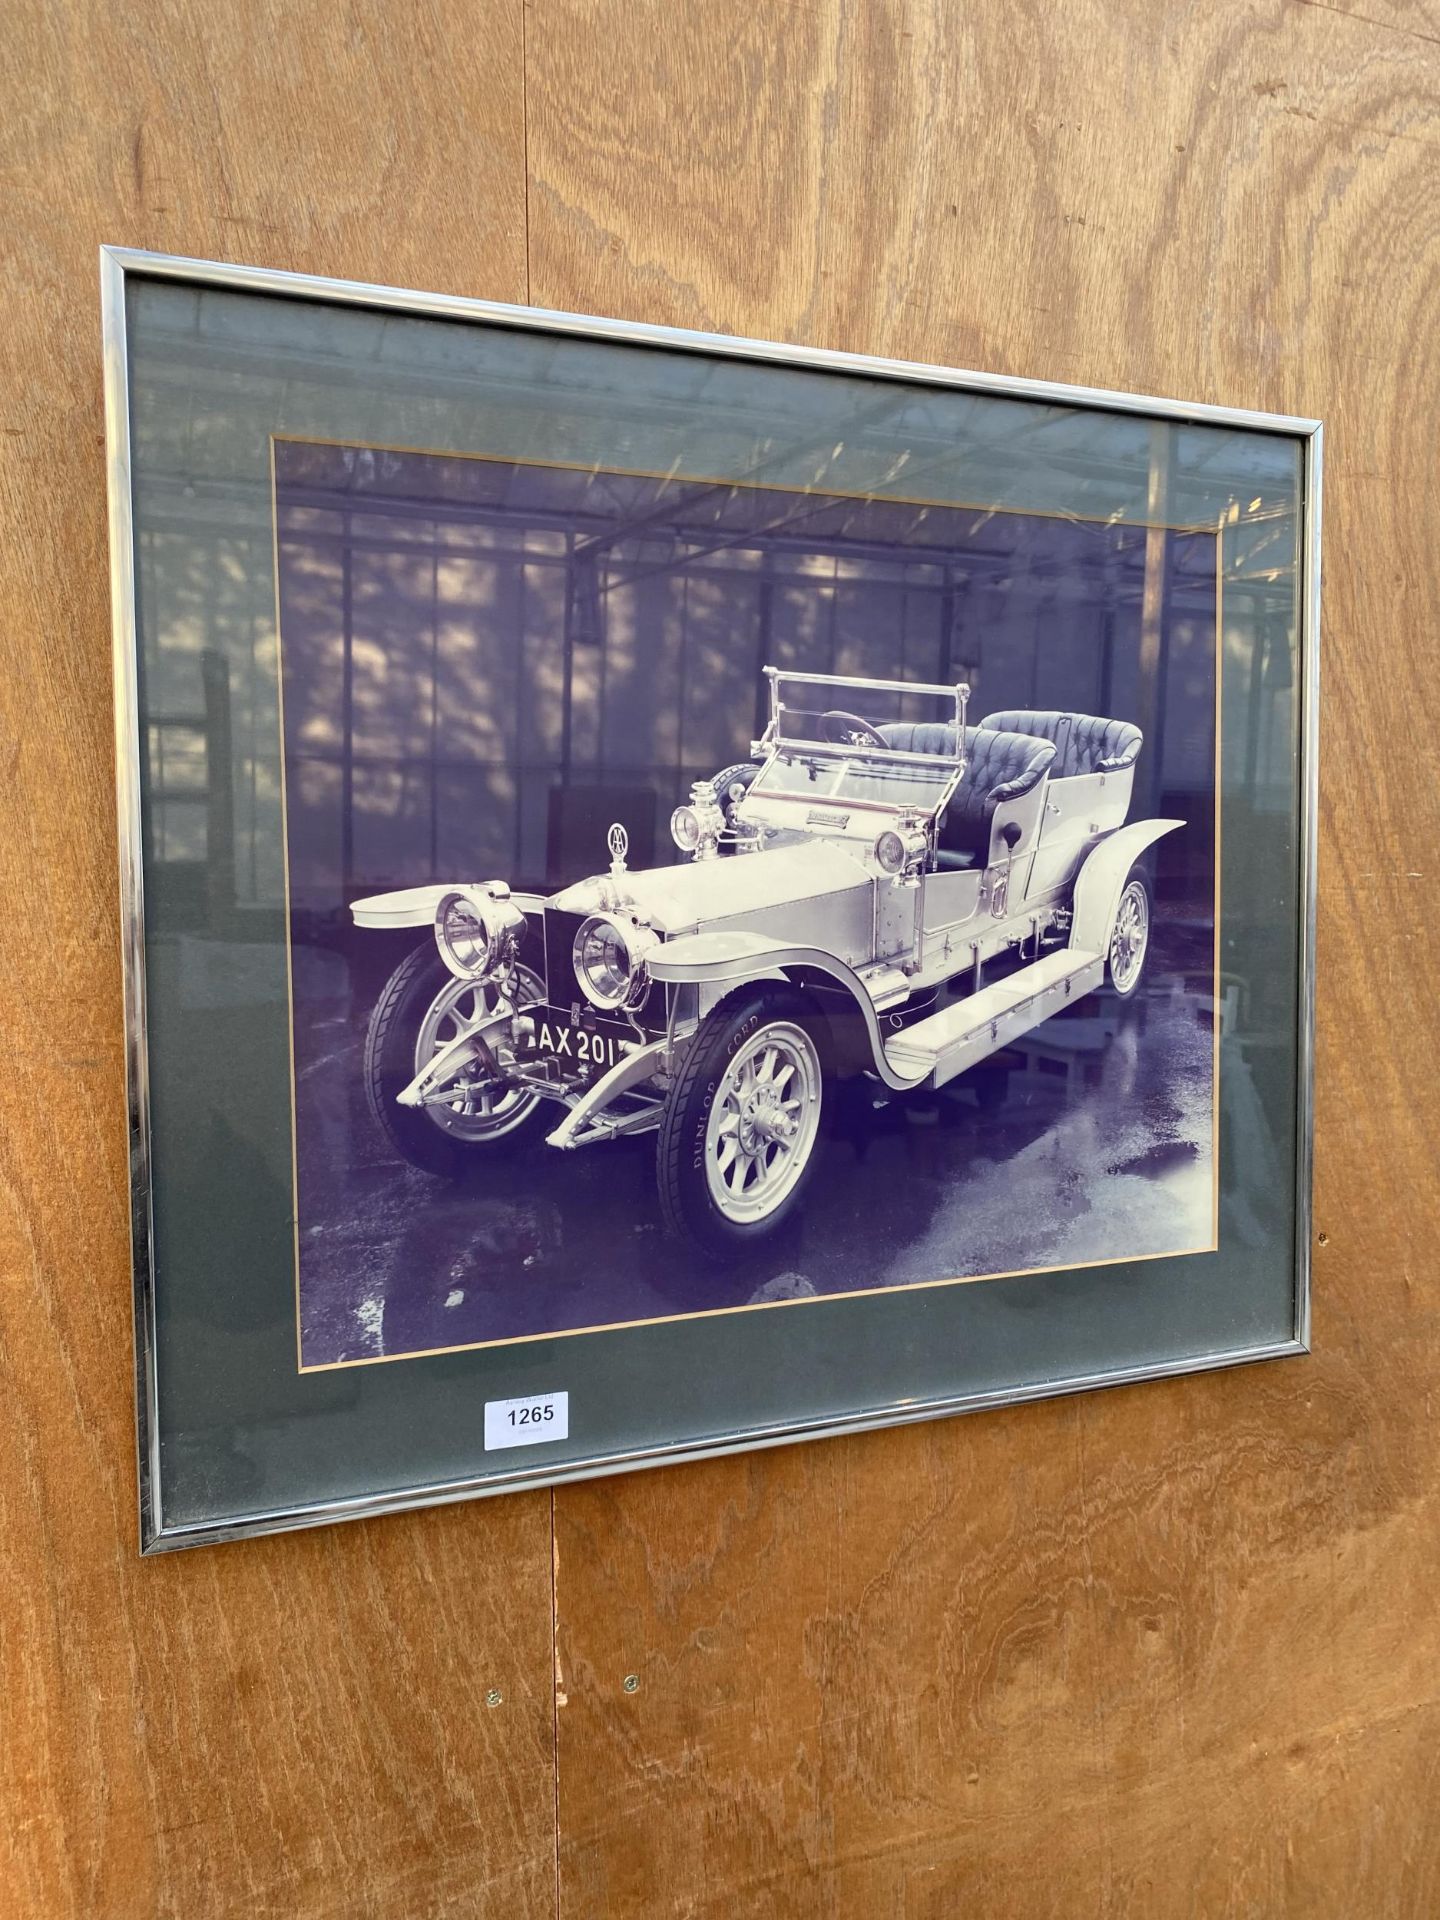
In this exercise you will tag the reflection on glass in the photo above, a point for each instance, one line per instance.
(487, 659)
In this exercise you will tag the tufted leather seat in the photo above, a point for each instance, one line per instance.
(920, 736)
(1084, 743)
(999, 766)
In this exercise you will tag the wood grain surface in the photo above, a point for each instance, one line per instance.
(1165, 1651)
(294, 1727)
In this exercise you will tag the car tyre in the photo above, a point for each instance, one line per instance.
(1130, 937)
(726, 782)
(740, 1131)
(421, 987)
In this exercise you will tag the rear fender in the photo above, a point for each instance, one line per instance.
(1101, 881)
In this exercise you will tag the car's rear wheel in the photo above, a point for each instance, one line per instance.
(422, 1009)
(1130, 939)
(740, 1129)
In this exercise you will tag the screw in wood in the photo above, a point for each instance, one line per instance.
(494, 1697)
(632, 1683)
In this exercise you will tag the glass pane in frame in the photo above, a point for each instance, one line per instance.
(518, 580)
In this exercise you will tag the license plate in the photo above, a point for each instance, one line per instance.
(592, 1049)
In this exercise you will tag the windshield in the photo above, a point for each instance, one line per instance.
(856, 779)
(888, 746)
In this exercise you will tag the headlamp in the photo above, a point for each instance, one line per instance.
(899, 847)
(697, 827)
(476, 934)
(609, 956)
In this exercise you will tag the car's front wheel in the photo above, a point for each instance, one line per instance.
(740, 1129)
(422, 1009)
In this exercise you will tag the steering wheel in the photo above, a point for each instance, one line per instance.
(843, 729)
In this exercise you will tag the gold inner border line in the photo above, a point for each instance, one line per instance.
(755, 1306)
(759, 1306)
(1215, 964)
(289, 944)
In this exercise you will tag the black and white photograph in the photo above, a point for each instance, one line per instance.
(776, 895)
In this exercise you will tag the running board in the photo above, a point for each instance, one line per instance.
(935, 1050)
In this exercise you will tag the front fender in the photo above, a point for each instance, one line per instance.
(729, 956)
(716, 958)
(1101, 880)
(416, 906)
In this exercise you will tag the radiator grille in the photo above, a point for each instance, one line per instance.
(562, 989)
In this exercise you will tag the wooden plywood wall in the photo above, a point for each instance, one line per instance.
(1165, 1651)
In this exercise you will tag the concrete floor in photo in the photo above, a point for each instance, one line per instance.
(1101, 1150)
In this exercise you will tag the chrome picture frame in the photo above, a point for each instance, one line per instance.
(118, 268)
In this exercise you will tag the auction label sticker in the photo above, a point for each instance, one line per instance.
(528, 1421)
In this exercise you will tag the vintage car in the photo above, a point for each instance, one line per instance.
(895, 898)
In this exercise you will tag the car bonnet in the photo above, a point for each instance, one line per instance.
(681, 898)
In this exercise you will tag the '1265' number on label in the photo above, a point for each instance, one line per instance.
(527, 1421)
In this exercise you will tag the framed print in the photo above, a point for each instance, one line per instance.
(681, 893)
